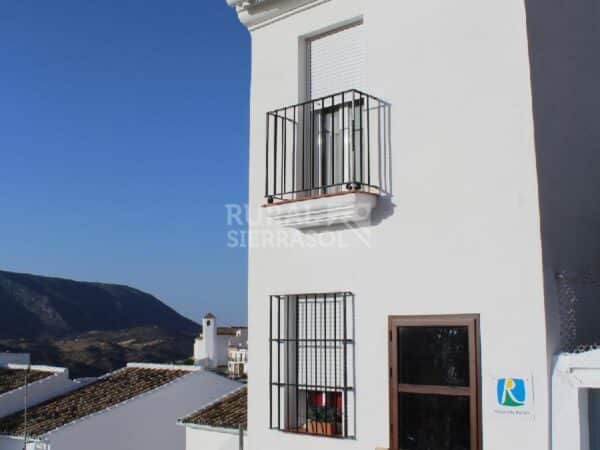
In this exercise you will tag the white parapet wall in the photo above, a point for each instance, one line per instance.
(56, 384)
(200, 438)
(573, 377)
(14, 443)
(14, 358)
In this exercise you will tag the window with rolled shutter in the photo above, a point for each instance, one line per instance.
(336, 61)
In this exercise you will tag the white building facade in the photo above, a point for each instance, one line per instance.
(412, 176)
(237, 365)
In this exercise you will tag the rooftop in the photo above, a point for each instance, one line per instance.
(225, 331)
(230, 411)
(229, 330)
(110, 390)
(11, 379)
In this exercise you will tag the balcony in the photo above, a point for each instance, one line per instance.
(325, 160)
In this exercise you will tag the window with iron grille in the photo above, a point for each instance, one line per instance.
(312, 364)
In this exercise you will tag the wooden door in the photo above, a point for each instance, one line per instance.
(434, 383)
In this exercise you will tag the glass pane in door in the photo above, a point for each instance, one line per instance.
(433, 422)
(336, 156)
(331, 143)
(433, 355)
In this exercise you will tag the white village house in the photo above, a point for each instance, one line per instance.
(134, 407)
(212, 345)
(425, 255)
(220, 425)
(237, 364)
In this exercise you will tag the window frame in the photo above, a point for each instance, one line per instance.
(282, 380)
(473, 391)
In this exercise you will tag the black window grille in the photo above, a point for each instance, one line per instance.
(326, 146)
(311, 373)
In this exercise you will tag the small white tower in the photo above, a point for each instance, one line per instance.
(209, 330)
(205, 347)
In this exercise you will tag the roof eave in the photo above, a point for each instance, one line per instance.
(196, 426)
(255, 13)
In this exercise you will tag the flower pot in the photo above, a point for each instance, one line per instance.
(324, 428)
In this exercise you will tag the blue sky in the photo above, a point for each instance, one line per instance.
(123, 133)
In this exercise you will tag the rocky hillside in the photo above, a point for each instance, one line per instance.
(34, 306)
(89, 327)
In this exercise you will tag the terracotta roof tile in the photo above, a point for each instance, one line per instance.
(229, 331)
(225, 331)
(106, 392)
(230, 411)
(11, 379)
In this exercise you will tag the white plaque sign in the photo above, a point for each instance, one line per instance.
(511, 395)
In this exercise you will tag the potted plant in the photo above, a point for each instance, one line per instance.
(323, 420)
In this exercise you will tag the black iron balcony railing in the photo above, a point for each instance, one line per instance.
(325, 146)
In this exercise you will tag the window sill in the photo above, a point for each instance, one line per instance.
(322, 211)
(304, 432)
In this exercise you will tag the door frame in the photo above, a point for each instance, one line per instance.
(351, 154)
(471, 321)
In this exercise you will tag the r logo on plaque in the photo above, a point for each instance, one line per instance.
(512, 396)
(511, 392)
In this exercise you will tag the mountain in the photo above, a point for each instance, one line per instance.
(89, 327)
(35, 306)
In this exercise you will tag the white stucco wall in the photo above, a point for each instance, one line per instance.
(38, 391)
(204, 439)
(573, 376)
(147, 422)
(460, 233)
(199, 350)
(217, 356)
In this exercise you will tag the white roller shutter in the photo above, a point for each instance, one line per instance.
(337, 62)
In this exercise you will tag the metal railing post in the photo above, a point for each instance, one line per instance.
(26, 405)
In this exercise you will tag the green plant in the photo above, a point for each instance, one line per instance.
(313, 413)
(325, 414)
(332, 415)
